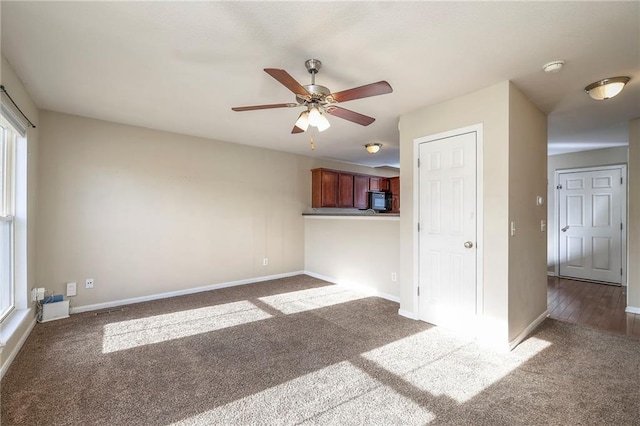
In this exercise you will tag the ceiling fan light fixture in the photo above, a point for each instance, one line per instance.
(373, 148)
(323, 123)
(303, 121)
(606, 88)
(314, 116)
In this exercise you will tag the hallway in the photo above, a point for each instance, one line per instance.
(595, 305)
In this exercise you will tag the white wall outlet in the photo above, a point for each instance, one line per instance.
(72, 289)
(265, 261)
(88, 283)
(394, 276)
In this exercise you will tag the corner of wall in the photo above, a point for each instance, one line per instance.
(633, 227)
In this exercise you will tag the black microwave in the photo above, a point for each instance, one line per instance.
(379, 201)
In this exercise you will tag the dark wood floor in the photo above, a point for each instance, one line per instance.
(596, 305)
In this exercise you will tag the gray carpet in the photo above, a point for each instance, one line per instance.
(301, 351)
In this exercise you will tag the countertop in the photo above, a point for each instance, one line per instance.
(343, 213)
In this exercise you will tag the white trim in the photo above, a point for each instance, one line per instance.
(12, 116)
(354, 286)
(632, 310)
(551, 274)
(407, 314)
(6, 362)
(114, 303)
(478, 130)
(623, 209)
(520, 337)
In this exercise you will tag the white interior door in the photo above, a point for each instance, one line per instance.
(590, 225)
(447, 237)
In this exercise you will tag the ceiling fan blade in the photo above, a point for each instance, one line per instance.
(297, 129)
(287, 81)
(351, 115)
(373, 89)
(255, 107)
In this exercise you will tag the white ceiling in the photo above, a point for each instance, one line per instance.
(181, 66)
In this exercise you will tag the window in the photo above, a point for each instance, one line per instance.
(8, 137)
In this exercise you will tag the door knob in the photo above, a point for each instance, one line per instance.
(468, 244)
(565, 228)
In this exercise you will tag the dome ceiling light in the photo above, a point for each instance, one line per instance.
(372, 148)
(606, 88)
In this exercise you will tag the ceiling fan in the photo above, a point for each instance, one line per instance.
(319, 100)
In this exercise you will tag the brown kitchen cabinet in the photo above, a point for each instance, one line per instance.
(336, 188)
(394, 188)
(360, 189)
(384, 184)
(374, 184)
(331, 188)
(345, 190)
(324, 188)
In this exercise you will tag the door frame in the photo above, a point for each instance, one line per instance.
(478, 130)
(623, 209)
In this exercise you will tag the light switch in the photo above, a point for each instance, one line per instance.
(543, 225)
(513, 229)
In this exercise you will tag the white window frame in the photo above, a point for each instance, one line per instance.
(8, 149)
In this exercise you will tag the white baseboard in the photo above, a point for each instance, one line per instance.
(114, 303)
(632, 310)
(520, 337)
(6, 362)
(551, 274)
(407, 314)
(365, 289)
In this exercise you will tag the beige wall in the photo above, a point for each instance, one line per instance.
(633, 275)
(596, 157)
(490, 107)
(14, 86)
(144, 212)
(527, 180)
(513, 168)
(355, 251)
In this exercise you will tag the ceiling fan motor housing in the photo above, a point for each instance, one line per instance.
(318, 94)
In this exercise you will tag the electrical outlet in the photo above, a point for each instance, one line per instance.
(265, 261)
(72, 289)
(513, 229)
(394, 276)
(88, 283)
(543, 225)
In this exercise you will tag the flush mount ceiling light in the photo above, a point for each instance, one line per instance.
(372, 148)
(606, 88)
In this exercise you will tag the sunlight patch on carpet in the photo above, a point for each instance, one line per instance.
(338, 394)
(314, 298)
(438, 362)
(161, 328)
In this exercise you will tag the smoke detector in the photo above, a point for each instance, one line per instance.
(554, 66)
